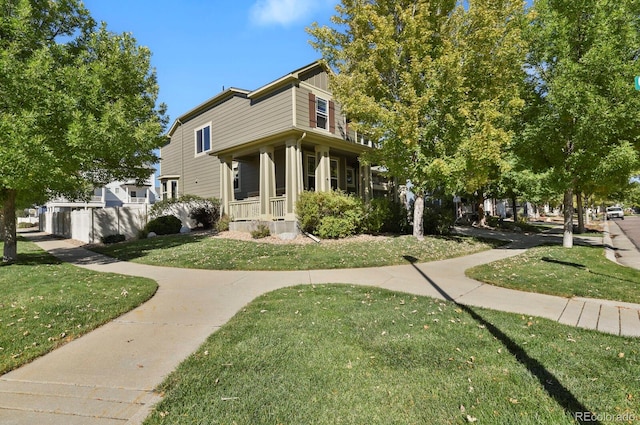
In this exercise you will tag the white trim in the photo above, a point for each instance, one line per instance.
(308, 174)
(235, 168)
(195, 139)
(337, 162)
(326, 114)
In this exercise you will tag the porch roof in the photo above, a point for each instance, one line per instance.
(307, 138)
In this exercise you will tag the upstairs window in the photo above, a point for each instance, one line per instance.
(203, 139)
(322, 114)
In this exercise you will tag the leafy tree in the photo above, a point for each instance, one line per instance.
(77, 106)
(583, 117)
(433, 82)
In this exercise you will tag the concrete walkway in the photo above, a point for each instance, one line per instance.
(108, 376)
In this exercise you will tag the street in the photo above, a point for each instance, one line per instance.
(631, 227)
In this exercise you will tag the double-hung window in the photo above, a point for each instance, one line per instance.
(203, 139)
(322, 113)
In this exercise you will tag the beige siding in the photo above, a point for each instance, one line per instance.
(302, 113)
(316, 77)
(240, 120)
(199, 174)
(170, 158)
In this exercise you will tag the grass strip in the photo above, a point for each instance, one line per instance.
(45, 303)
(206, 252)
(340, 354)
(581, 271)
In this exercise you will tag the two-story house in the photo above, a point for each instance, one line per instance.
(258, 150)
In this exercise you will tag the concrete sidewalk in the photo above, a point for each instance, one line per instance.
(108, 376)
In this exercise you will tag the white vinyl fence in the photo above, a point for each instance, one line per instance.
(91, 224)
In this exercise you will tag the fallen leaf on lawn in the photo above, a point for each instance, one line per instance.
(513, 400)
(471, 419)
(620, 355)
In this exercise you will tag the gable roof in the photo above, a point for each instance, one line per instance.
(289, 78)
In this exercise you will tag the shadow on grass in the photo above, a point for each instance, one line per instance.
(564, 263)
(547, 380)
(585, 268)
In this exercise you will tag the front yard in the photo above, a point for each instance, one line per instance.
(338, 354)
(581, 271)
(219, 253)
(45, 303)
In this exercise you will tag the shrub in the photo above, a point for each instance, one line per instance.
(26, 225)
(341, 214)
(205, 212)
(437, 220)
(164, 225)
(261, 231)
(223, 223)
(336, 227)
(384, 215)
(109, 239)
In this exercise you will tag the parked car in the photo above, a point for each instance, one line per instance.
(615, 212)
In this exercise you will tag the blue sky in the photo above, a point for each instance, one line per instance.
(201, 46)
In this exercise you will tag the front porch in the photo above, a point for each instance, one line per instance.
(249, 209)
(263, 184)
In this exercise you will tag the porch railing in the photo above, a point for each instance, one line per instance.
(278, 206)
(133, 200)
(249, 209)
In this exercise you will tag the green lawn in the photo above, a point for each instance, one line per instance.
(45, 303)
(580, 271)
(206, 252)
(338, 354)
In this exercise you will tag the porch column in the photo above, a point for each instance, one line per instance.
(292, 178)
(267, 182)
(323, 170)
(226, 184)
(366, 186)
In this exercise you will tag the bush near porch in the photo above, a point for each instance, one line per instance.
(193, 211)
(334, 215)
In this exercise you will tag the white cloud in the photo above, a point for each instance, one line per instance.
(282, 12)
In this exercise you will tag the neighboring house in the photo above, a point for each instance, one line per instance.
(258, 150)
(115, 194)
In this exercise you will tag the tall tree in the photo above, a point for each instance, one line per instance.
(432, 81)
(583, 57)
(77, 106)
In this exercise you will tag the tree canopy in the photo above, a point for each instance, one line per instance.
(582, 121)
(434, 82)
(77, 105)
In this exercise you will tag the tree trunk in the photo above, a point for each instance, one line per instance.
(567, 240)
(580, 207)
(10, 254)
(482, 217)
(514, 202)
(418, 212)
(587, 210)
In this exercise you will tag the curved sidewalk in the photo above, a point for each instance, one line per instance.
(108, 376)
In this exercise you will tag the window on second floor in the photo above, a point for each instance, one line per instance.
(322, 113)
(203, 139)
